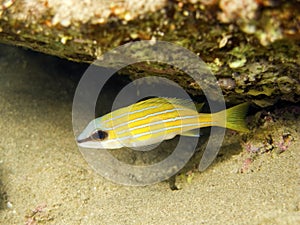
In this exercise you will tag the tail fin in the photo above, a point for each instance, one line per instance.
(235, 117)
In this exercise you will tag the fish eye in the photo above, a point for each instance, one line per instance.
(99, 135)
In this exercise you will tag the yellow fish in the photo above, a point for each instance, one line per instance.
(154, 120)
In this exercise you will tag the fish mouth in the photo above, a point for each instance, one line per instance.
(82, 140)
(87, 143)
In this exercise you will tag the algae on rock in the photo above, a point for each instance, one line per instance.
(255, 58)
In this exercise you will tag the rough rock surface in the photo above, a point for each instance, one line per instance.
(251, 46)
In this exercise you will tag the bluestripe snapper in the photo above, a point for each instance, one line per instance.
(154, 120)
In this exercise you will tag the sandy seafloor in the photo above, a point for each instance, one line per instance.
(45, 180)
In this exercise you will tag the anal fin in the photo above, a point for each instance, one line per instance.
(192, 133)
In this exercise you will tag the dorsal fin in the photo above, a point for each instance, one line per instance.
(187, 103)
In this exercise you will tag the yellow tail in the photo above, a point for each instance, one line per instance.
(235, 117)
